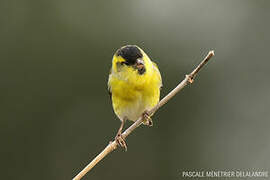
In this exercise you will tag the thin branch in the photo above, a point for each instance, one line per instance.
(113, 145)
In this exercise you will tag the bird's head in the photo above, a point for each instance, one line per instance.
(130, 56)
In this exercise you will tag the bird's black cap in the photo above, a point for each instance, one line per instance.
(130, 53)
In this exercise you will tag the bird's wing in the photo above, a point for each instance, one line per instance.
(109, 86)
(158, 73)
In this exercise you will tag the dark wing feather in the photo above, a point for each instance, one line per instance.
(109, 87)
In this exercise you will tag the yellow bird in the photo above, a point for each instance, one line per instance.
(134, 85)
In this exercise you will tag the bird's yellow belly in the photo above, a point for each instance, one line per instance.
(130, 101)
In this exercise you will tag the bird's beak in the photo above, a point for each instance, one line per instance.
(139, 62)
(140, 66)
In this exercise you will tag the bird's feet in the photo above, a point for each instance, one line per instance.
(121, 141)
(147, 119)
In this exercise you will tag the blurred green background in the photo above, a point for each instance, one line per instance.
(56, 115)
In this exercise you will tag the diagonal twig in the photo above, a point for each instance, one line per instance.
(113, 145)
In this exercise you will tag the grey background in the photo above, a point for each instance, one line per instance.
(56, 114)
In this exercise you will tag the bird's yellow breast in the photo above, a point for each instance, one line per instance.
(132, 93)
